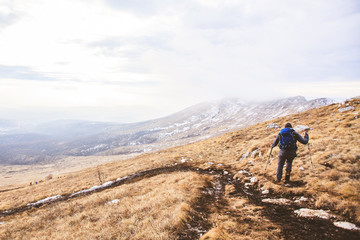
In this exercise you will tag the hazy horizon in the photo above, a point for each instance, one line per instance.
(108, 114)
(130, 61)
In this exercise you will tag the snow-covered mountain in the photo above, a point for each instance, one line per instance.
(213, 118)
(192, 124)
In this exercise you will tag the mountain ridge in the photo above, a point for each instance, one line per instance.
(201, 121)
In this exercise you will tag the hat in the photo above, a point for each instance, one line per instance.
(288, 125)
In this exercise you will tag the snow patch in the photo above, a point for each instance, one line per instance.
(347, 225)
(253, 179)
(253, 153)
(240, 174)
(122, 178)
(280, 201)
(302, 199)
(247, 185)
(272, 125)
(93, 188)
(245, 155)
(115, 201)
(265, 192)
(1, 223)
(345, 109)
(309, 213)
(45, 200)
(183, 160)
(300, 128)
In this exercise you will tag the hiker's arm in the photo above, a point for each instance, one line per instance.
(276, 141)
(304, 140)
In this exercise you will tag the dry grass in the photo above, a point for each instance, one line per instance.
(146, 210)
(76, 181)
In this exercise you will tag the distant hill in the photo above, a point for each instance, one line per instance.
(46, 142)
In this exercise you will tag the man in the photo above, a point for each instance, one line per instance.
(287, 139)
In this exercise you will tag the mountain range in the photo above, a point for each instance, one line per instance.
(50, 141)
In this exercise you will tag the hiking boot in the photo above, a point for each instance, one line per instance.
(287, 177)
(277, 180)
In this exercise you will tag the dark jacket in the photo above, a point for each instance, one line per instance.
(297, 137)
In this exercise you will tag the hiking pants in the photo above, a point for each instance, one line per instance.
(285, 156)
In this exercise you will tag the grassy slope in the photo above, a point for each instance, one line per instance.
(334, 143)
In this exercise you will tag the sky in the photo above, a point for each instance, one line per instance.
(132, 60)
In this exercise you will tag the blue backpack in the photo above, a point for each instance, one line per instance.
(287, 139)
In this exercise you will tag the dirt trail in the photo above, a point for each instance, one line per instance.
(293, 226)
(213, 199)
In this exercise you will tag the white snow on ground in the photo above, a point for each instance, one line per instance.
(264, 192)
(245, 155)
(347, 225)
(302, 199)
(247, 185)
(241, 174)
(346, 109)
(1, 223)
(98, 187)
(115, 201)
(122, 178)
(272, 125)
(253, 179)
(45, 200)
(280, 201)
(305, 212)
(300, 128)
(92, 188)
(256, 151)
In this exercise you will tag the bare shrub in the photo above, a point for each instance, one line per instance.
(49, 177)
(100, 175)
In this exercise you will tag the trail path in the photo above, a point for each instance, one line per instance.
(214, 200)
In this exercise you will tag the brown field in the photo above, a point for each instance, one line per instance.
(164, 205)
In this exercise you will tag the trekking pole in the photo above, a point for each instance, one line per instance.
(268, 159)
(312, 165)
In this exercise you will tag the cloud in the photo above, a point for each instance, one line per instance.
(336, 88)
(7, 19)
(132, 47)
(22, 72)
(245, 49)
(147, 7)
(172, 54)
(7, 15)
(144, 8)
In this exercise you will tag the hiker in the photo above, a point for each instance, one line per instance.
(287, 139)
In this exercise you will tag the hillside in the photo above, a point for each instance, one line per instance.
(216, 188)
(48, 142)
